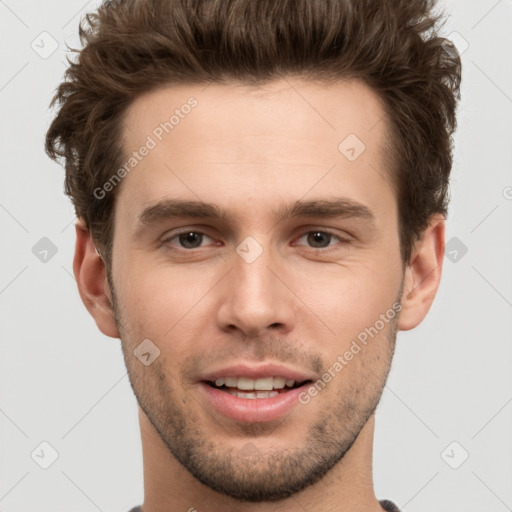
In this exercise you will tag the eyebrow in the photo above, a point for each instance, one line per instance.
(338, 207)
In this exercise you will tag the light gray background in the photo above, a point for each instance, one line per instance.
(65, 383)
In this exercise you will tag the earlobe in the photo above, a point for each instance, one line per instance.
(90, 274)
(423, 275)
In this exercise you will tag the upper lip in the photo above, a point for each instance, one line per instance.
(259, 371)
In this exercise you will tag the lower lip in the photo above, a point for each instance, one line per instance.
(252, 410)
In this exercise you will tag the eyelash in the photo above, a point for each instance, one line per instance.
(341, 241)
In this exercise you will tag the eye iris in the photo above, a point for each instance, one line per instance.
(191, 240)
(317, 239)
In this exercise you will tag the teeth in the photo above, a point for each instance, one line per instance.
(266, 394)
(230, 382)
(258, 394)
(246, 384)
(279, 382)
(263, 384)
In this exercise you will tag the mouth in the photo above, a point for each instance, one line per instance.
(254, 393)
(253, 389)
(267, 399)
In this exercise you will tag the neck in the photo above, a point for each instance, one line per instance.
(169, 487)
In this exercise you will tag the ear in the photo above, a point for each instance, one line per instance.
(90, 275)
(423, 274)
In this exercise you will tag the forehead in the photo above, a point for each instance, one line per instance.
(240, 144)
(285, 107)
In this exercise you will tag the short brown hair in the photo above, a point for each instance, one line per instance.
(133, 46)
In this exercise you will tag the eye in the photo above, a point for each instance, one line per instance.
(321, 239)
(187, 239)
(191, 239)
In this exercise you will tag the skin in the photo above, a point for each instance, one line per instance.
(300, 303)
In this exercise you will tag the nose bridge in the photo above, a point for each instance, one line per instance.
(254, 278)
(254, 298)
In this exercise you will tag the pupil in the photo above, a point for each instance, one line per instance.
(190, 240)
(316, 238)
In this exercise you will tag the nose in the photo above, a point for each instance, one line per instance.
(256, 298)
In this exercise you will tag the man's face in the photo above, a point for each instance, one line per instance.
(256, 285)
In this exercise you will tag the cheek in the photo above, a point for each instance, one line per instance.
(158, 301)
(352, 298)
